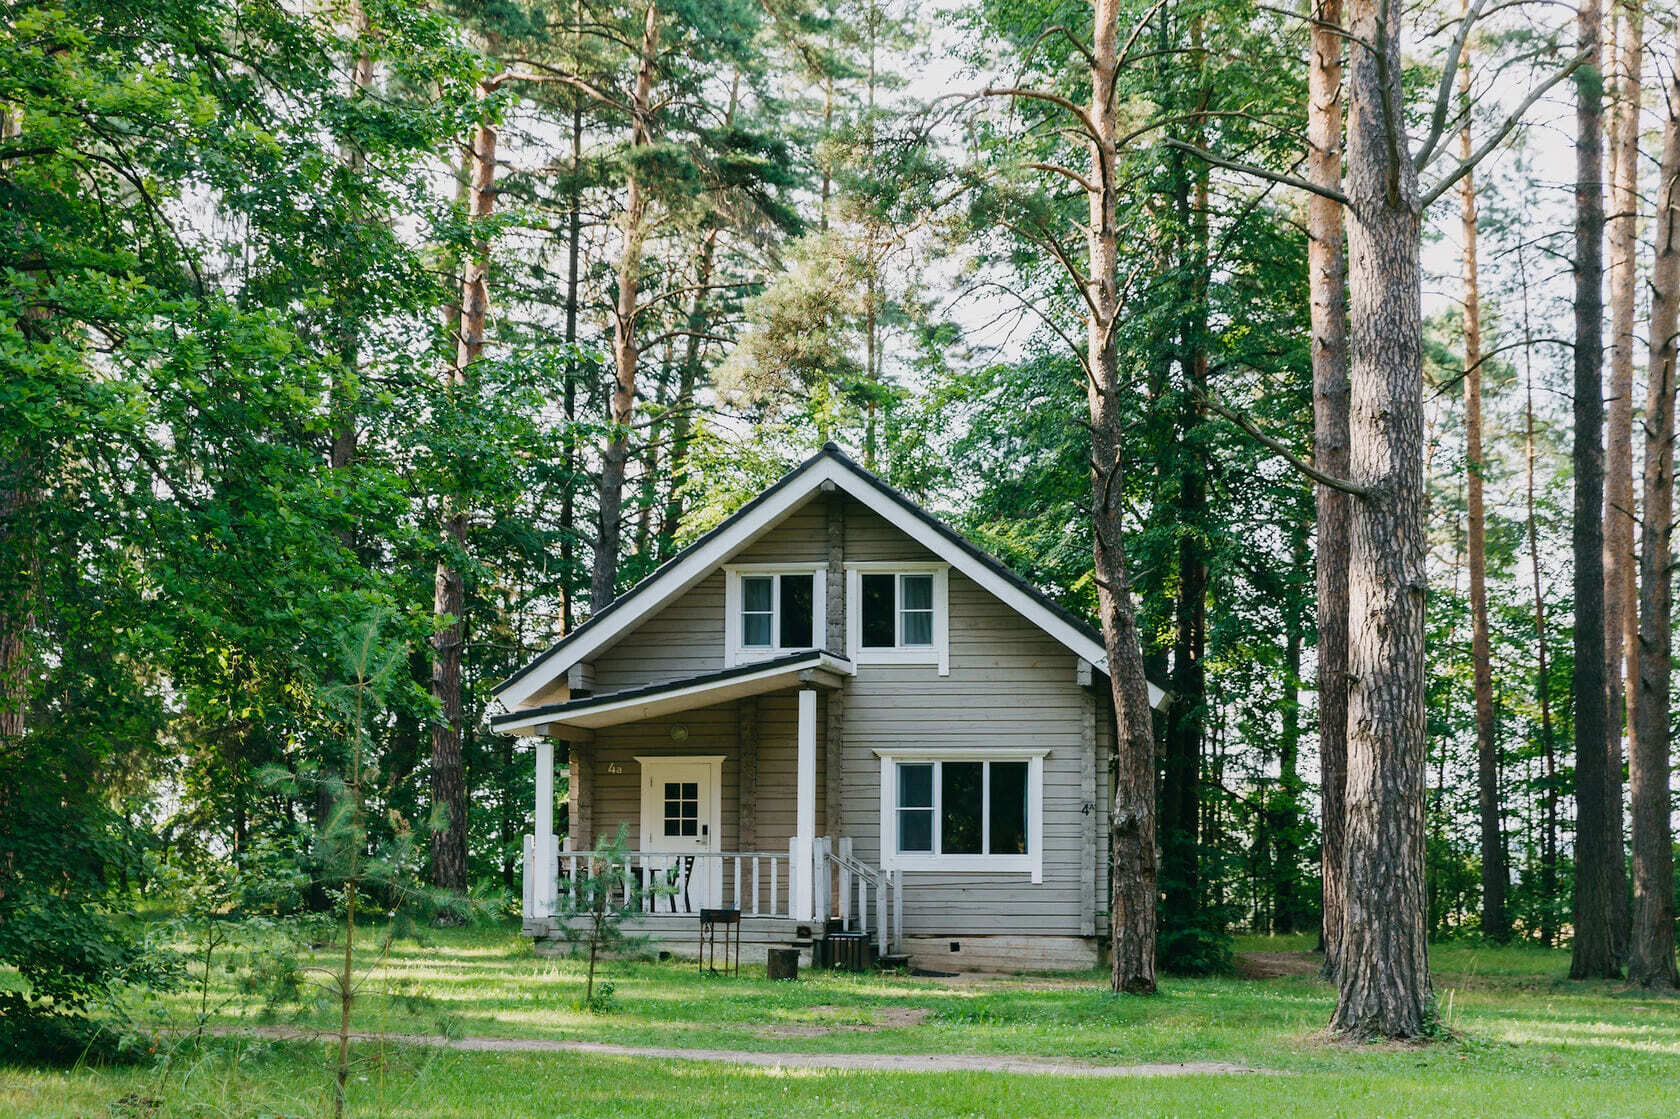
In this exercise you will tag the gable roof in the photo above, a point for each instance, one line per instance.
(830, 468)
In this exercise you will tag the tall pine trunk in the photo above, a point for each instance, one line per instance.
(1383, 977)
(568, 499)
(1597, 853)
(1621, 602)
(626, 350)
(449, 787)
(1651, 944)
(1495, 925)
(1132, 821)
(1543, 689)
(1327, 283)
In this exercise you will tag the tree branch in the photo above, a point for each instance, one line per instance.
(1465, 166)
(1260, 172)
(1283, 452)
(1050, 98)
(1444, 92)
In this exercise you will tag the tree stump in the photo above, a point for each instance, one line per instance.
(782, 963)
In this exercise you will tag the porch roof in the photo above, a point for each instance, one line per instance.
(653, 700)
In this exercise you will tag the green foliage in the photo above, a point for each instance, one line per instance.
(598, 901)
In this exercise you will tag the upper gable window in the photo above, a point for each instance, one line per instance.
(772, 610)
(897, 614)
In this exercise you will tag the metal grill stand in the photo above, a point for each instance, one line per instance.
(730, 920)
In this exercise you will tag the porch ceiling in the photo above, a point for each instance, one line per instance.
(612, 709)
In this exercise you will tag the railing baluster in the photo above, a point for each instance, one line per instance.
(775, 909)
(737, 897)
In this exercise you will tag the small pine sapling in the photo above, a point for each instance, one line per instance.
(597, 902)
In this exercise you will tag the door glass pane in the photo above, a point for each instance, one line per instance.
(797, 601)
(959, 793)
(682, 808)
(757, 614)
(877, 609)
(1009, 808)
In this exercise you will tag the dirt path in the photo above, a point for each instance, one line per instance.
(863, 1062)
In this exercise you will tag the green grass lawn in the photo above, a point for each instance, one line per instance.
(1531, 1044)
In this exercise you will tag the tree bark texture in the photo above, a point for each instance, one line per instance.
(1651, 943)
(1594, 949)
(449, 789)
(1621, 596)
(1383, 977)
(1327, 282)
(1495, 925)
(626, 351)
(1132, 823)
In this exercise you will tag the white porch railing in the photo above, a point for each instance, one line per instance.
(758, 883)
(855, 885)
(680, 882)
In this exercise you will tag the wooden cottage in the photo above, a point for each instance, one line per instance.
(832, 712)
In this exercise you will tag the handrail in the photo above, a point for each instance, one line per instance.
(886, 884)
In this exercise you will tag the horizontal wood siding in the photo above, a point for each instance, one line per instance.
(1010, 686)
(684, 639)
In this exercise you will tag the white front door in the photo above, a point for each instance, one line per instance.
(681, 802)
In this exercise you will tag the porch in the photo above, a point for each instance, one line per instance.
(671, 888)
(720, 782)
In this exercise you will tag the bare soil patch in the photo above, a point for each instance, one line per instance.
(1276, 965)
(886, 1018)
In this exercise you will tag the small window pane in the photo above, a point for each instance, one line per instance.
(915, 785)
(690, 790)
(877, 610)
(1009, 808)
(959, 792)
(918, 627)
(755, 631)
(915, 830)
(918, 592)
(755, 594)
(797, 600)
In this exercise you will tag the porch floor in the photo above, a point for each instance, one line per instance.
(679, 934)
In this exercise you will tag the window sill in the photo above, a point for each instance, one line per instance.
(735, 657)
(969, 864)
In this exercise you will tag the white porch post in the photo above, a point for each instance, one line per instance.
(542, 867)
(805, 818)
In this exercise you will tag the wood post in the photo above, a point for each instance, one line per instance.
(580, 794)
(1088, 800)
(746, 720)
(805, 818)
(539, 867)
(834, 752)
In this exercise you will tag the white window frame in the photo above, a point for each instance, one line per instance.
(734, 653)
(938, 653)
(1032, 862)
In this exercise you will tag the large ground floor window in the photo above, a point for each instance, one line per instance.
(956, 811)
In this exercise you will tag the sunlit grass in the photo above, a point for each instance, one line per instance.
(1531, 1043)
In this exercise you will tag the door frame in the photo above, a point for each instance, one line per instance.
(712, 806)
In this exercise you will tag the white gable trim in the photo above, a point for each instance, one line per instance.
(712, 552)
